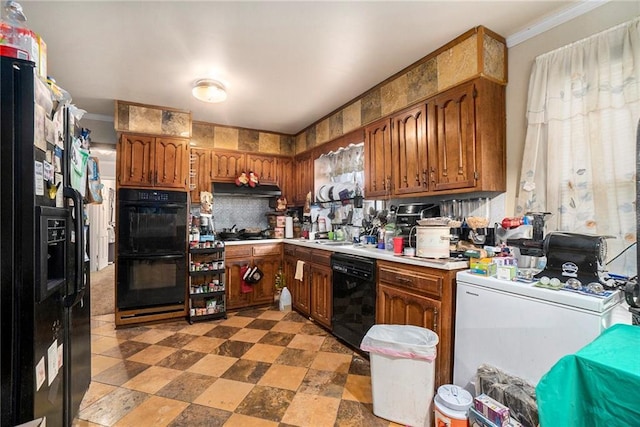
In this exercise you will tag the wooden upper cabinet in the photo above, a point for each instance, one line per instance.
(227, 165)
(377, 162)
(453, 139)
(146, 161)
(171, 162)
(303, 177)
(135, 156)
(264, 166)
(409, 151)
(201, 165)
(285, 179)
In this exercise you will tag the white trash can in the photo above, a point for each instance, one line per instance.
(402, 372)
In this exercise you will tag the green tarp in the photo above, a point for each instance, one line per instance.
(597, 386)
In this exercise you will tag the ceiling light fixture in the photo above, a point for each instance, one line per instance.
(208, 90)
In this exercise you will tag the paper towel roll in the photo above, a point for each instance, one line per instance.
(288, 228)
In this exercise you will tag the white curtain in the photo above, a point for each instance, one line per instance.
(579, 154)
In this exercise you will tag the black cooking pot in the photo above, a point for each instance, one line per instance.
(229, 233)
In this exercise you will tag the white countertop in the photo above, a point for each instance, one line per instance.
(366, 251)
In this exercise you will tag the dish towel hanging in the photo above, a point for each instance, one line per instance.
(245, 288)
(299, 270)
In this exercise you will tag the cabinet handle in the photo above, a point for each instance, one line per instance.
(433, 175)
(435, 320)
(406, 180)
(404, 280)
(424, 177)
(471, 293)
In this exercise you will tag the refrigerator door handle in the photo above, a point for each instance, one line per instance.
(78, 207)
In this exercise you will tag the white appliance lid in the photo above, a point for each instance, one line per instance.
(568, 298)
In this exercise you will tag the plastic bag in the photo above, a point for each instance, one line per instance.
(406, 341)
(285, 300)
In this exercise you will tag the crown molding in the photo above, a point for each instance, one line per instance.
(552, 21)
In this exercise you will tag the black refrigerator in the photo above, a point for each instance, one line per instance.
(45, 335)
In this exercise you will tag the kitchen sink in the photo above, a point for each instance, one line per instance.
(334, 243)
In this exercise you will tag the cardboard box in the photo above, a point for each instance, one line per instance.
(492, 410)
(476, 419)
(506, 272)
(483, 267)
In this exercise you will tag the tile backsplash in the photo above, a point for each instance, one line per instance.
(242, 211)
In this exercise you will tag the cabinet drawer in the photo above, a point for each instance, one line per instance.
(413, 279)
(262, 250)
(321, 257)
(303, 254)
(240, 251)
(289, 250)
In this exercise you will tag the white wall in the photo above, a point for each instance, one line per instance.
(521, 59)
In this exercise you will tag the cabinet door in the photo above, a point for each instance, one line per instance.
(264, 290)
(321, 294)
(201, 162)
(304, 177)
(171, 162)
(227, 165)
(377, 159)
(453, 139)
(400, 307)
(235, 297)
(135, 154)
(286, 180)
(300, 296)
(409, 151)
(266, 167)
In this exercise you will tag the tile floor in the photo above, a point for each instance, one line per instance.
(259, 367)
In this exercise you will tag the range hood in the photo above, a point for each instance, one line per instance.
(230, 189)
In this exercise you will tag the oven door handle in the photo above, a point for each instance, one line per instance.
(151, 256)
(153, 204)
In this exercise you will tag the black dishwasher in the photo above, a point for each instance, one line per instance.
(354, 297)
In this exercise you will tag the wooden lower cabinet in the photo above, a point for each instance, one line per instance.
(321, 293)
(420, 296)
(401, 307)
(268, 258)
(313, 295)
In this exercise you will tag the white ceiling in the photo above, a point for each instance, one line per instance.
(285, 64)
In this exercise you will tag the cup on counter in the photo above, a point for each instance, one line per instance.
(409, 251)
(312, 235)
(398, 245)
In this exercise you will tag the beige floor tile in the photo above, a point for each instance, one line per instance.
(288, 327)
(95, 392)
(237, 321)
(272, 315)
(152, 379)
(312, 410)
(306, 342)
(83, 423)
(224, 394)
(204, 344)
(152, 354)
(358, 388)
(156, 411)
(107, 330)
(212, 365)
(105, 317)
(282, 376)
(102, 344)
(239, 420)
(264, 353)
(249, 335)
(100, 363)
(152, 336)
(198, 328)
(335, 362)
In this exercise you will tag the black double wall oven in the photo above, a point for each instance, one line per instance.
(152, 248)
